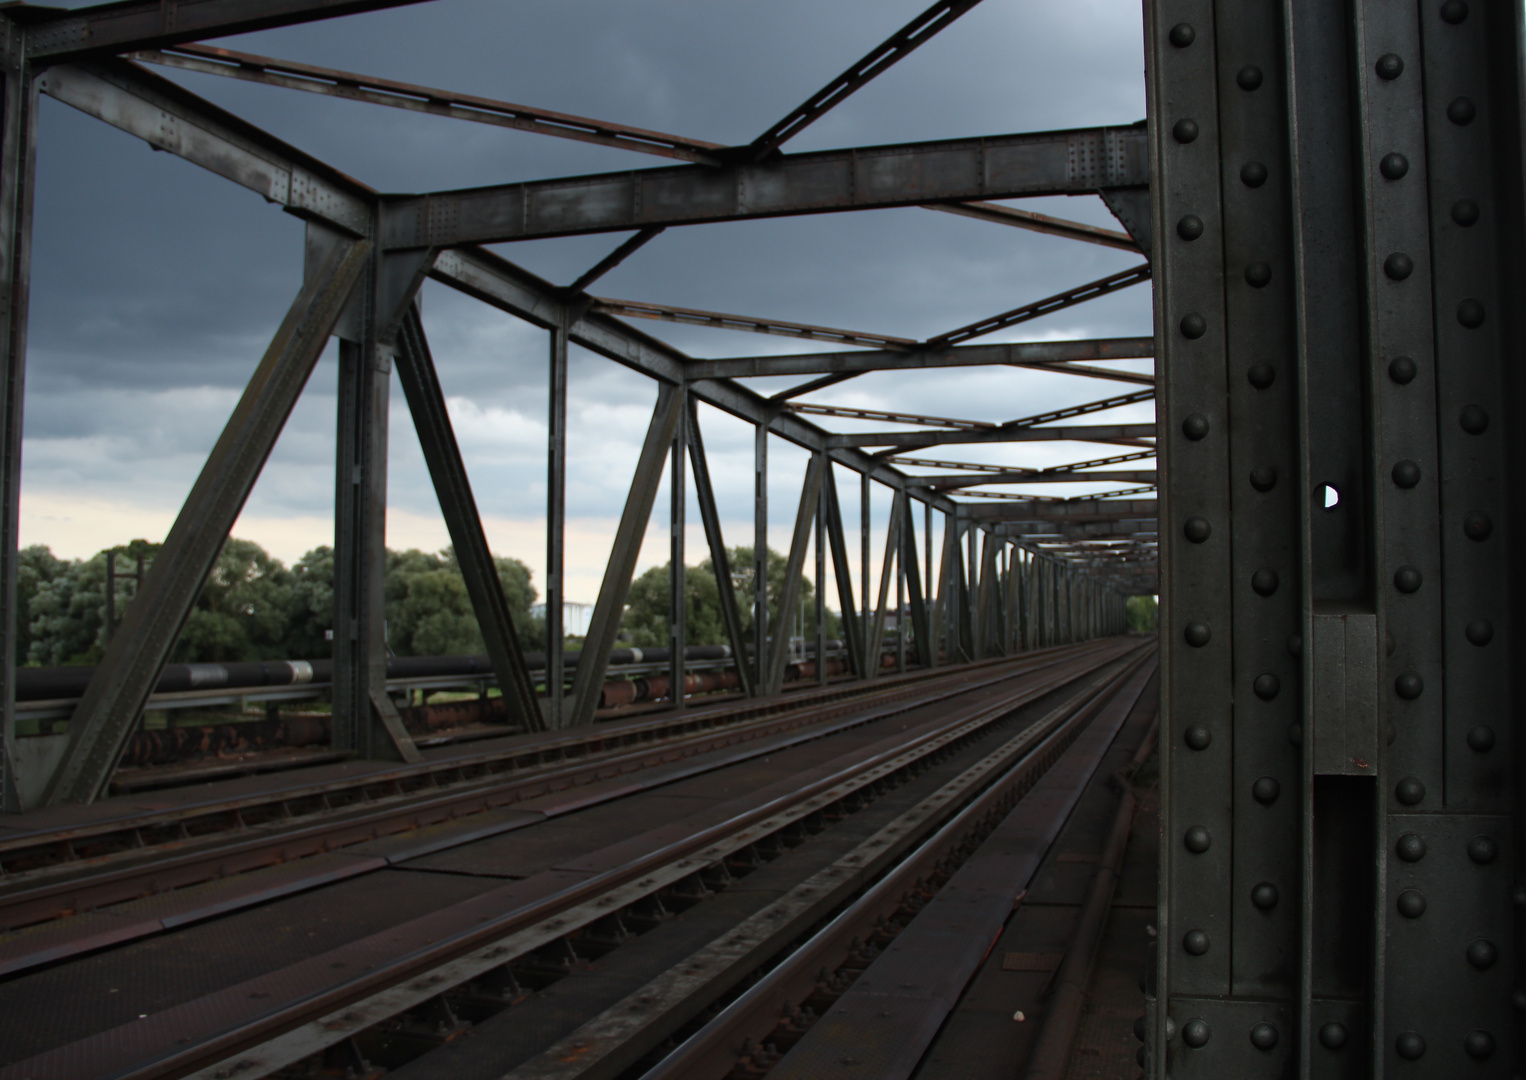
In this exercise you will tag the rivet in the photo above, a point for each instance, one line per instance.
(1483, 850)
(1264, 896)
(1409, 685)
(1470, 313)
(1263, 1036)
(1398, 266)
(1389, 66)
(1477, 526)
(1410, 1046)
(1190, 227)
(1479, 632)
(1411, 904)
(1482, 954)
(1185, 130)
(1198, 634)
(1194, 325)
(1332, 1036)
(1480, 738)
(1253, 174)
(1465, 212)
(1264, 581)
(1258, 275)
(1263, 478)
(1183, 35)
(1197, 529)
(1195, 426)
(1294, 644)
(1266, 686)
(1197, 737)
(1265, 790)
(1249, 77)
(1262, 374)
(1479, 1045)
(1195, 942)
(1408, 579)
(1454, 11)
(1411, 847)
(1139, 1028)
(1473, 419)
(1197, 840)
(1401, 370)
(1394, 166)
(1410, 791)
(1195, 1032)
(1461, 111)
(1406, 473)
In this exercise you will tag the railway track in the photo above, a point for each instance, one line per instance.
(907, 775)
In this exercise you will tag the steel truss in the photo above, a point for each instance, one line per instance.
(1000, 586)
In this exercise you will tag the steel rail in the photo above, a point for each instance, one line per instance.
(406, 965)
(715, 1049)
(113, 880)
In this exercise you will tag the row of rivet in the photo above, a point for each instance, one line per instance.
(1410, 1045)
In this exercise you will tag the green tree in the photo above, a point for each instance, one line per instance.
(36, 566)
(310, 609)
(243, 610)
(645, 621)
(1141, 613)
(429, 612)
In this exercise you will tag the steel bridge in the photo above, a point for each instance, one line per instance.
(1327, 201)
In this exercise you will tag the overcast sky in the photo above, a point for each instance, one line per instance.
(156, 286)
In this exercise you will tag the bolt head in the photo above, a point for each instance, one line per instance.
(1185, 130)
(1197, 529)
(1195, 426)
(1197, 840)
(1479, 1045)
(1249, 77)
(1465, 212)
(1195, 1033)
(1389, 67)
(1263, 478)
(1182, 35)
(1473, 419)
(1194, 325)
(1410, 1046)
(1253, 174)
(1454, 11)
(1483, 850)
(1261, 375)
(1197, 737)
(1263, 1036)
(1195, 942)
(1401, 369)
(1410, 791)
(1477, 526)
(1470, 313)
(1411, 847)
(1264, 581)
(1332, 1036)
(1481, 738)
(1394, 166)
(1461, 111)
(1408, 579)
(1264, 896)
(1266, 686)
(1479, 632)
(1190, 227)
(1265, 790)
(1406, 473)
(1198, 634)
(1482, 954)
(1409, 685)
(1398, 266)
(1411, 903)
(1258, 275)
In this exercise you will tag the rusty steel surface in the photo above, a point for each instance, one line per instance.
(224, 1018)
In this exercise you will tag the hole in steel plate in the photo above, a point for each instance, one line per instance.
(1327, 496)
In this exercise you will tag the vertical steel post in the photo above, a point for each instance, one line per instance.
(677, 591)
(819, 540)
(866, 604)
(556, 530)
(720, 559)
(760, 558)
(18, 128)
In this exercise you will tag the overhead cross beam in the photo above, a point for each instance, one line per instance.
(1077, 432)
(862, 178)
(949, 482)
(1042, 223)
(55, 35)
(352, 86)
(890, 51)
(632, 309)
(1050, 304)
(1062, 356)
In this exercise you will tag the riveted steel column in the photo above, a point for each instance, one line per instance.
(1182, 80)
(18, 127)
(820, 550)
(704, 494)
(867, 603)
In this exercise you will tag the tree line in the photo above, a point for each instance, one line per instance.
(254, 607)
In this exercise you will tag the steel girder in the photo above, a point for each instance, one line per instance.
(1337, 319)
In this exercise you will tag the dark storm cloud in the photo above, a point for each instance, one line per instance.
(157, 286)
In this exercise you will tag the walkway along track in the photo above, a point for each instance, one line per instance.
(412, 984)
